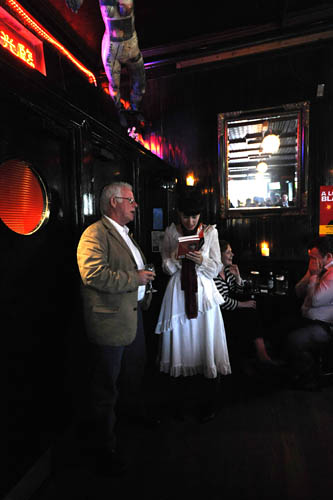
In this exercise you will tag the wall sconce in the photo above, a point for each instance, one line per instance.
(190, 179)
(264, 248)
(270, 143)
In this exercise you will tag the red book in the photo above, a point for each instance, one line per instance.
(188, 244)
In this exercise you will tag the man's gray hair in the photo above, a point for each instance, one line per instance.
(113, 189)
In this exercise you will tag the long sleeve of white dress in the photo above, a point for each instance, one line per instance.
(170, 264)
(211, 265)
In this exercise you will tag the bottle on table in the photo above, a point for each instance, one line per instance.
(270, 282)
(285, 284)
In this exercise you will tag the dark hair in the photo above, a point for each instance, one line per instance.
(223, 245)
(323, 243)
(190, 202)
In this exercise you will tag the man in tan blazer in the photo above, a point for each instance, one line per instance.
(111, 265)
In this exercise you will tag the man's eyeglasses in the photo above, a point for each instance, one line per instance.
(130, 200)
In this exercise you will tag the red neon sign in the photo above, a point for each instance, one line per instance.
(20, 42)
(17, 48)
(29, 21)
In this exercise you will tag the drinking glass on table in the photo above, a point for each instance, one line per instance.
(255, 276)
(149, 286)
(279, 285)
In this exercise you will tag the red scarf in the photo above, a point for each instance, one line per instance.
(189, 280)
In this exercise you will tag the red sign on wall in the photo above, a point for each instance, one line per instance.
(326, 211)
(20, 42)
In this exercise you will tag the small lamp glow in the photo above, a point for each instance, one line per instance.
(264, 247)
(190, 180)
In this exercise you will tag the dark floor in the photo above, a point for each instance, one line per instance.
(267, 442)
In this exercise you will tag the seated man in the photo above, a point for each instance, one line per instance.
(307, 342)
(284, 200)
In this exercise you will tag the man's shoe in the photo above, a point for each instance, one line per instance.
(123, 118)
(137, 120)
(178, 413)
(207, 417)
(306, 384)
(150, 423)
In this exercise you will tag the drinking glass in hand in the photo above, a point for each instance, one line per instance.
(248, 288)
(149, 286)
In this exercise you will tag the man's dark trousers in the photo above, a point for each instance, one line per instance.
(116, 377)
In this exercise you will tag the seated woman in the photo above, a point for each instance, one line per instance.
(244, 328)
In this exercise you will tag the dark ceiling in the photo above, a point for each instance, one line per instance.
(170, 31)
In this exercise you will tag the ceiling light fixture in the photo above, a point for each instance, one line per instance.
(262, 167)
(270, 143)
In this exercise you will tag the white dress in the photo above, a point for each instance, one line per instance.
(192, 346)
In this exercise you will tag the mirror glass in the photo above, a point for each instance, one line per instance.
(263, 157)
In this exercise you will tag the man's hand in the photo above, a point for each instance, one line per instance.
(145, 276)
(74, 5)
(315, 266)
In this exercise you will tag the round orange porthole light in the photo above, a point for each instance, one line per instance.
(24, 205)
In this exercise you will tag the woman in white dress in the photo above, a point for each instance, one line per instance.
(190, 320)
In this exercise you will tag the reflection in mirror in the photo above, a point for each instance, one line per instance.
(263, 159)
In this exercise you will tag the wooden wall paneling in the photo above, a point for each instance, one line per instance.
(251, 83)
